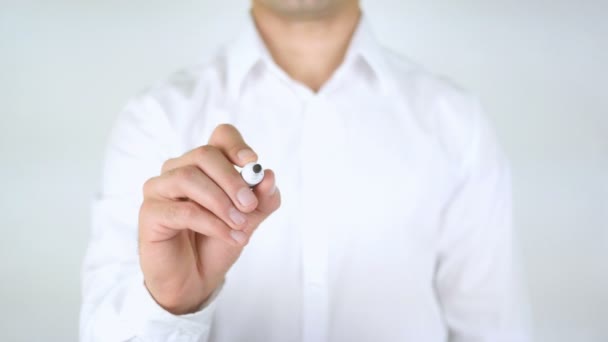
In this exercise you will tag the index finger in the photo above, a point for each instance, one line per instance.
(229, 140)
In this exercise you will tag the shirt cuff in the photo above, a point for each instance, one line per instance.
(142, 317)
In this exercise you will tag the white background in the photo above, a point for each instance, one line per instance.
(67, 68)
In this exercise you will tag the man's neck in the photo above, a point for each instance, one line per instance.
(309, 51)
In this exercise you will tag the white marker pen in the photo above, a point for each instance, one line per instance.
(252, 174)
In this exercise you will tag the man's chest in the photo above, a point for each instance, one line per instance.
(351, 169)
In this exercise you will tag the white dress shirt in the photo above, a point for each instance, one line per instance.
(395, 222)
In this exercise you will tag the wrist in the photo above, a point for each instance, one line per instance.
(178, 302)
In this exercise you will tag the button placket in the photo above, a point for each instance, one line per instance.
(313, 232)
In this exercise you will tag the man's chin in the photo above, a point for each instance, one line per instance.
(304, 9)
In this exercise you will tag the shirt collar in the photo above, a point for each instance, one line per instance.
(249, 49)
(243, 54)
(364, 45)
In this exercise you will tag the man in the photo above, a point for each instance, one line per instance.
(394, 220)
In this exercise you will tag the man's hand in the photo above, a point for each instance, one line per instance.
(196, 218)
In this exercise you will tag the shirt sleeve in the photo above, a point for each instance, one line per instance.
(477, 281)
(116, 305)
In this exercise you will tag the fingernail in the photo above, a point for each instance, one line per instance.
(273, 189)
(237, 236)
(245, 155)
(236, 216)
(246, 197)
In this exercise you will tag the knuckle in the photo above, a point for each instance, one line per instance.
(144, 209)
(148, 186)
(178, 212)
(186, 210)
(171, 212)
(167, 165)
(186, 173)
(147, 214)
(205, 151)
